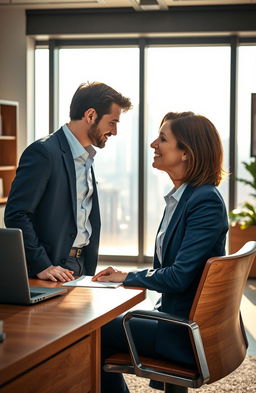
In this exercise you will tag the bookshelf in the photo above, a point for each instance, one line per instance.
(8, 146)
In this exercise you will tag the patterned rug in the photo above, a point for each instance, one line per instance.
(242, 380)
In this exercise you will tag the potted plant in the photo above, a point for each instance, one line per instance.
(243, 220)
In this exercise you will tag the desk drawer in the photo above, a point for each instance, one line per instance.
(67, 372)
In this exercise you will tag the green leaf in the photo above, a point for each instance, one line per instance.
(246, 215)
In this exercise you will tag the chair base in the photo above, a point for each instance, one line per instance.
(169, 388)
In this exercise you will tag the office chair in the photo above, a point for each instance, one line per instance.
(215, 328)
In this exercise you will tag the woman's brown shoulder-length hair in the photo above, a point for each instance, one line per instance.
(199, 138)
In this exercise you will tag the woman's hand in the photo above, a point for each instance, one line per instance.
(110, 274)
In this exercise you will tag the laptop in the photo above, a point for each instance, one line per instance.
(14, 284)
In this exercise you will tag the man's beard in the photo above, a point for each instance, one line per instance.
(98, 139)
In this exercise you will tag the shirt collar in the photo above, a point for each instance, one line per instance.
(77, 149)
(175, 193)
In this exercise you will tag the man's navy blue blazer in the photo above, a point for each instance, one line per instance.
(42, 203)
(196, 232)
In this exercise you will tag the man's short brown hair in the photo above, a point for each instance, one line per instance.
(98, 96)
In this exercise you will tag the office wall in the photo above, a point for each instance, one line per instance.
(13, 69)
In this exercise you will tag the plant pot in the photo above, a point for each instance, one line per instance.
(238, 237)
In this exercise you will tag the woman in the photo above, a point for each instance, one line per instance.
(193, 229)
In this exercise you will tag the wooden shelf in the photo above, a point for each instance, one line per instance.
(8, 145)
(7, 168)
(7, 137)
(3, 200)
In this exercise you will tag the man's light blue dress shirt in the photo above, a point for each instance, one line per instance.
(83, 160)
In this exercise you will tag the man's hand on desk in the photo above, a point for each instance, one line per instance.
(110, 274)
(56, 273)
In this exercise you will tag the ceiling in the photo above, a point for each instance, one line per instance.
(137, 5)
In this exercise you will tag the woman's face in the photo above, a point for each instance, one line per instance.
(168, 157)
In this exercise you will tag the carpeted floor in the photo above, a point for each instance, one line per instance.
(242, 380)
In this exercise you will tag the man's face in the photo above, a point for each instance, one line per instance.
(107, 126)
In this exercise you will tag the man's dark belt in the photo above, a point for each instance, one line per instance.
(76, 252)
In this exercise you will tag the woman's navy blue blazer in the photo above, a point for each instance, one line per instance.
(42, 203)
(196, 232)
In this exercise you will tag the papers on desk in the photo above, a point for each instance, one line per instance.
(86, 281)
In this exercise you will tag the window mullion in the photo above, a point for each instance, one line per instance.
(53, 86)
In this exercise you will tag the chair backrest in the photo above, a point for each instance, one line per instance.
(216, 309)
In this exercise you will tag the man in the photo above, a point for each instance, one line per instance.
(53, 198)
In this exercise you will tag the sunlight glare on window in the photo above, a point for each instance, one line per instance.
(116, 166)
(183, 79)
(246, 86)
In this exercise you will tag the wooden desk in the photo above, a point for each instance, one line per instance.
(54, 346)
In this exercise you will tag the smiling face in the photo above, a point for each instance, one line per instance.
(167, 156)
(99, 132)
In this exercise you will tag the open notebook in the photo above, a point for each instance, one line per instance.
(14, 285)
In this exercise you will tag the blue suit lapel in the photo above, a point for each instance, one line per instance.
(156, 261)
(175, 218)
(95, 212)
(70, 167)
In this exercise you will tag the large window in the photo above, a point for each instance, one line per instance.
(246, 86)
(116, 166)
(169, 78)
(183, 79)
